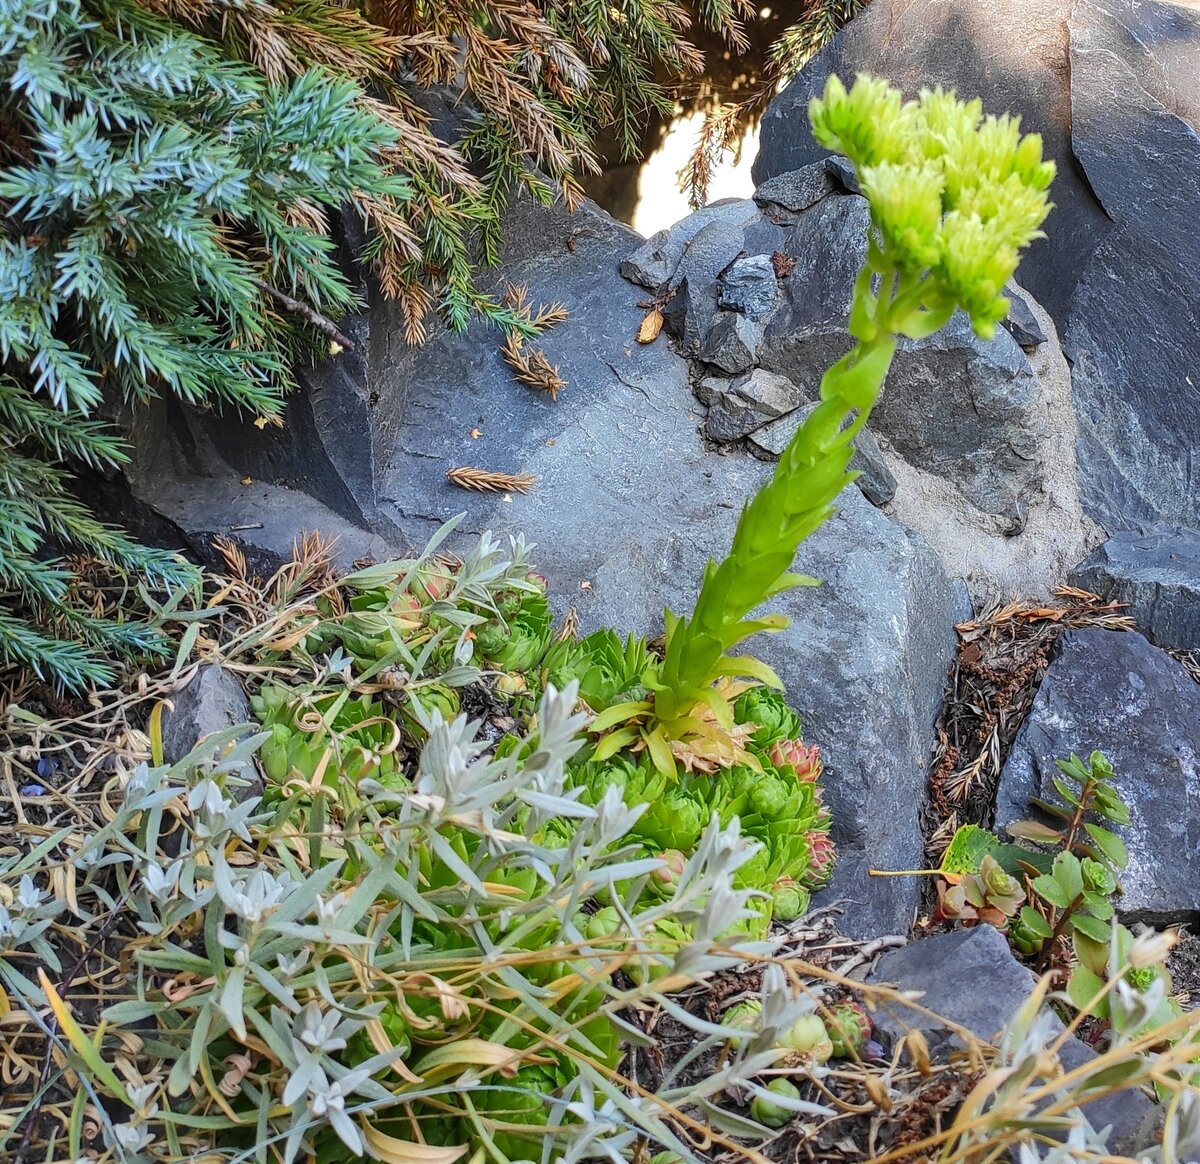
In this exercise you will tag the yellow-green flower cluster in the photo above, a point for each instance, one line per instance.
(954, 195)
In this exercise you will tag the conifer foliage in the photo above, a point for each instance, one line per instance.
(159, 199)
(167, 173)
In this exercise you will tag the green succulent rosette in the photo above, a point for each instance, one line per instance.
(525, 1099)
(516, 637)
(353, 737)
(609, 670)
(768, 710)
(675, 820)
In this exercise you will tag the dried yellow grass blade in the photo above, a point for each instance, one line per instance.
(475, 1053)
(80, 1043)
(383, 1044)
(393, 1151)
(155, 730)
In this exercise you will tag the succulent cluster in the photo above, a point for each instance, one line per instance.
(386, 643)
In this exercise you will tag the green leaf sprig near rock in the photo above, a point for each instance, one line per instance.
(1073, 897)
(954, 197)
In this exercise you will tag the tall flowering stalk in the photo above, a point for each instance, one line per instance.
(955, 197)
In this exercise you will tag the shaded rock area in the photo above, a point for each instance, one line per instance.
(1113, 87)
(212, 701)
(1114, 692)
(970, 978)
(1157, 576)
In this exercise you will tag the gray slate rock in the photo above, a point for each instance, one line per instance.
(1021, 323)
(843, 173)
(876, 481)
(796, 190)
(970, 977)
(212, 702)
(1157, 575)
(1112, 691)
(1131, 330)
(655, 262)
(732, 343)
(749, 286)
(746, 404)
(965, 409)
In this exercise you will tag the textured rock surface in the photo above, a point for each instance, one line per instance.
(739, 407)
(1112, 691)
(1157, 575)
(1131, 328)
(796, 190)
(654, 263)
(749, 286)
(1021, 323)
(212, 702)
(876, 480)
(1114, 89)
(731, 343)
(1030, 553)
(971, 978)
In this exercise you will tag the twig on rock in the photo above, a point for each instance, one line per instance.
(485, 481)
(308, 314)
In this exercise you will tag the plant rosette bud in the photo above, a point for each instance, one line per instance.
(512, 683)
(822, 854)
(602, 924)
(789, 900)
(664, 879)
(745, 1017)
(804, 759)
(766, 1111)
(849, 1029)
(808, 1036)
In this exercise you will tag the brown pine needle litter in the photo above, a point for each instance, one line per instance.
(531, 365)
(485, 481)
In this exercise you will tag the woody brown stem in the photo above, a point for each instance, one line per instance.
(308, 314)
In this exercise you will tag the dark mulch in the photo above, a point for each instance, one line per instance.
(1184, 965)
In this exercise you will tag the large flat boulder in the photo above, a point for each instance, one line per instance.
(1114, 692)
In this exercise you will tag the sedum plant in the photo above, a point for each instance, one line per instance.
(954, 198)
(1031, 1107)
